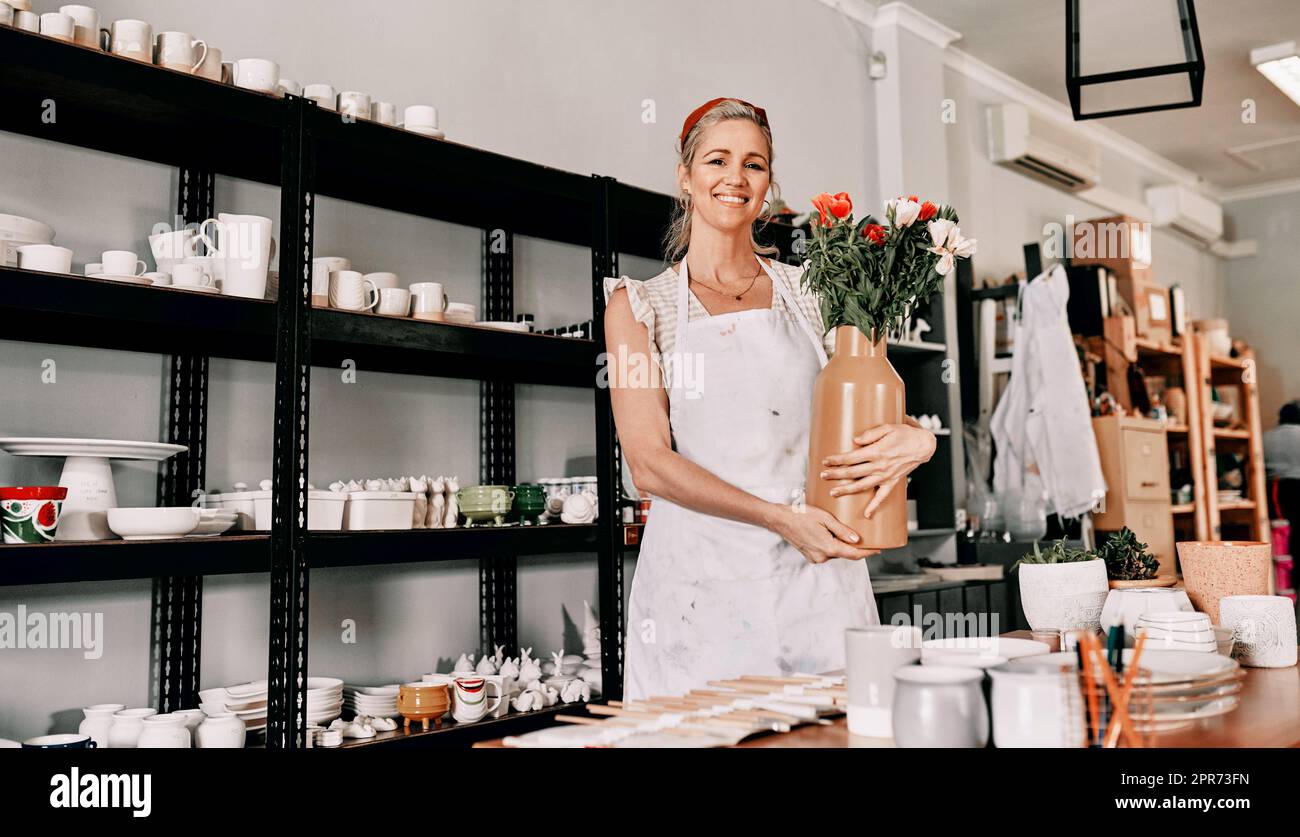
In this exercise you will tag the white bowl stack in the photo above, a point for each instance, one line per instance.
(16, 231)
(324, 699)
(1179, 631)
(375, 701)
(247, 701)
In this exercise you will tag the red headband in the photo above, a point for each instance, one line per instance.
(707, 106)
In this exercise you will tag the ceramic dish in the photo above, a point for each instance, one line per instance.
(153, 524)
(1177, 620)
(1158, 632)
(213, 522)
(1166, 667)
(106, 448)
(196, 289)
(378, 510)
(18, 228)
(503, 325)
(987, 646)
(123, 278)
(385, 691)
(324, 508)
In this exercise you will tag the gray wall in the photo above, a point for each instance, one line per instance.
(560, 83)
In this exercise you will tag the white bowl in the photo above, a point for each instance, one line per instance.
(152, 524)
(377, 691)
(988, 647)
(18, 228)
(1179, 619)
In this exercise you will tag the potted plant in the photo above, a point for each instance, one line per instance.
(1129, 563)
(868, 278)
(1062, 588)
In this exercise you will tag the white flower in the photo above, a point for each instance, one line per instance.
(905, 211)
(949, 244)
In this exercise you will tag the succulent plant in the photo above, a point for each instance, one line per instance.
(1058, 553)
(1127, 558)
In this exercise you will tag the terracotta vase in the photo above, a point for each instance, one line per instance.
(856, 391)
(1214, 569)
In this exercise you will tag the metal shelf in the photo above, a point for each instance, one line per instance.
(62, 562)
(452, 734)
(355, 549)
(124, 107)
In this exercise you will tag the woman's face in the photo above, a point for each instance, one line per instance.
(729, 177)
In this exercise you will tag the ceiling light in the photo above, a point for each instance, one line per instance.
(1280, 64)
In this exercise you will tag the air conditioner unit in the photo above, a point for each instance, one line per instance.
(1041, 149)
(1186, 210)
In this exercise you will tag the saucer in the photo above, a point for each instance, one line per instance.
(117, 277)
(422, 130)
(200, 289)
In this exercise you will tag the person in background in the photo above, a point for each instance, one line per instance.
(1282, 463)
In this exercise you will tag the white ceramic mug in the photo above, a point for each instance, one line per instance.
(428, 301)
(191, 276)
(1033, 708)
(210, 67)
(322, 94)
(871, 655)
(256, 74)
(354, 103)
(122, 263)
(420, 116)
(179, 51)
(350, 291)
(48, 258)
(27, 21)
(321, 268)
(498, 687)
(6, 14)
(473, 702)
(384, 280)
(243, 242)
(131, 39)
(288, 86)
(395, 302)
(59, 26)
(86, 22)
(385, 113)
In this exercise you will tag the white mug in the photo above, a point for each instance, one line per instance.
(256, 74)
(210, 67)
(159, 278)
(59, 26)
(86, 22)
(420, 116)
(6, 14)
(395, 302)
(354, 103)
(179, 51)
(47, 258)
(191, 275)
(27, 21)
(131, 39)
(288, 86)
(322, 94)
(384, 280)
(122, 263)
(348, 291)
(428, 298)
(473, 702)
(244, 245)
(872, 654)
(385, 113)
(321, 268)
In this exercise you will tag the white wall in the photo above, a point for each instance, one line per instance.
(1261, 296)
(560, 82)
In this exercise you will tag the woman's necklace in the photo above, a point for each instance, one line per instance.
(752, 280)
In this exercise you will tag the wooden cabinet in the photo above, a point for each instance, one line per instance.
(1135, 461)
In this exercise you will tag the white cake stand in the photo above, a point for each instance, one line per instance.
(88, 477)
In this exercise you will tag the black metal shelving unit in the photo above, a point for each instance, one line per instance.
(85, 98)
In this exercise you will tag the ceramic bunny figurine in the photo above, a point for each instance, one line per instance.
(465, 663)
(527, 701)
(437, 504)
(419, 485)
(509, 668)
(576, 690)
(486, 665)
(500, 656)
(450, 516)
(529, 672)
(556, 666)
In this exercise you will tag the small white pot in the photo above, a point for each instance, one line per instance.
(99, 719)
(224, 731)
(124, 733)
(1264, 629)
(373, 510)
(164, 732)
(1063, 597)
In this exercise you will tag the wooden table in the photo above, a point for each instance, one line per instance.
(1268, 716)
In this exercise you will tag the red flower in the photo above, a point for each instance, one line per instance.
(832, 206)
(875, 233)
(928, 211)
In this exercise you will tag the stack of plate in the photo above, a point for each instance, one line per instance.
(1179, 631)
(247, 701)
(375, 701)
(324, 699)
(16, 231)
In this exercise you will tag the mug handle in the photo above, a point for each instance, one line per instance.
(501, 694)
(105, 40)
(445, 301)
(374, 289)
(140, 267)
(207, 239)
(207, 281)
(203, 56)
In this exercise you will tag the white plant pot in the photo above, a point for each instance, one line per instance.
(221, 732)
(1063, 597)
(1264, 628)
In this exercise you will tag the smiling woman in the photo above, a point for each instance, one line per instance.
(735, 575)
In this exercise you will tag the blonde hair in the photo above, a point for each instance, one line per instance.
(678, 236)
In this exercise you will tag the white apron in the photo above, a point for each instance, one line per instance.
(714, 598)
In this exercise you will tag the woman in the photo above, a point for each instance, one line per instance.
(735, 575)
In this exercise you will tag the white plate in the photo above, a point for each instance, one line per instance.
(1165, 666)
(121, 277)
(198, 289)
(106, 448)
(503, 325)
(247, 690)
(374, 691)
(316, 684)
(152, 524)
(987, 646)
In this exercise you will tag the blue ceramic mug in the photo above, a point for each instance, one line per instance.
(62, 741)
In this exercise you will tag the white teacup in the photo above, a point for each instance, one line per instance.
(321, 268)
(257, 74)
(179, 51)
(131, 39)
(420, 116)
(27, 21)
(86, 24)
(48, 258)
(350, 291)
(191, 276)
(288, 86)
(462, 312)
(322, 94)
(395, 302)
(122, 263)
(428, 301)
(354, 103)
(385, 113)
(159, 278)
(6, 14)
(210, 67)
(384, 280)
(59, 26)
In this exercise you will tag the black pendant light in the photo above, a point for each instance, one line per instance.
(1132, 56)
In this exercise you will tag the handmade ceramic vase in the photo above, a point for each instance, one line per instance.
(856, 391)
(124, 733)
(1033, 707)
(223, 731)
(872, 654)
(1264, 629)
(1063, 597)
(167, 732)
(939, 706)
(1214, 569)
(99, 718)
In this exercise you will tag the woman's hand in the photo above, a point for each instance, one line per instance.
(817, 534)
(885, 456)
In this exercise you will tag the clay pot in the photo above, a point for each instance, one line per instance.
(856, 391)
(1063, 597)
(1214, 569)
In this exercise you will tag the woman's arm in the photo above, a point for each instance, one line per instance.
(641, 415)
(885, 456)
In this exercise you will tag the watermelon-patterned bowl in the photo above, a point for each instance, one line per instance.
(30, 514)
